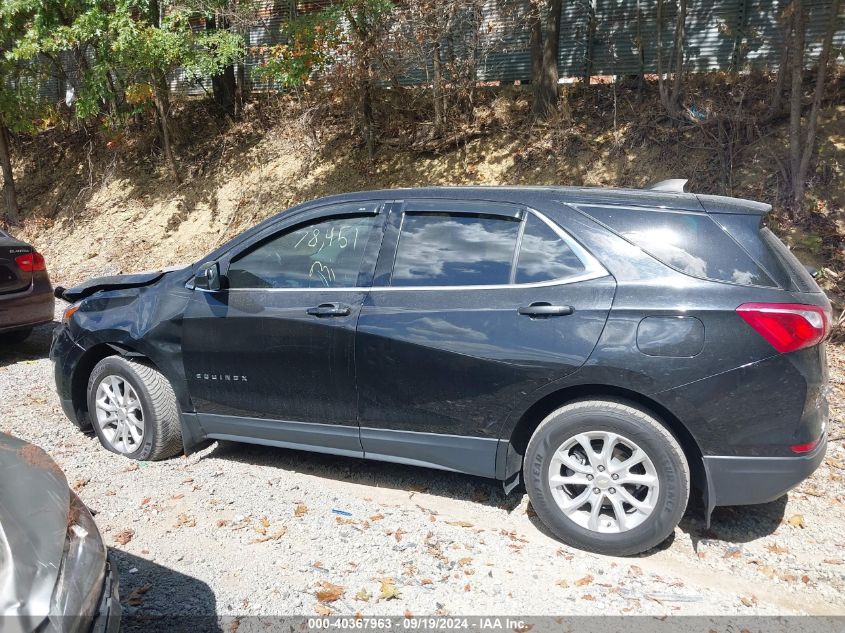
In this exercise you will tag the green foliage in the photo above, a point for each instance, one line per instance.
(312, 42)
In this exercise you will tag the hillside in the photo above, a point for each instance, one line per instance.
(97, 206)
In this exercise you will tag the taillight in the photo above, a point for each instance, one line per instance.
(31, 262)
(787, 326)
(805, 448)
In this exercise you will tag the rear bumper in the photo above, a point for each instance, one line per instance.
(33, 306)
(734, 481)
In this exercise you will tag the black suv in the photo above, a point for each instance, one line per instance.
(611, 348)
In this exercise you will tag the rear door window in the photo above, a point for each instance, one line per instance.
(688, 242)
(544, 255)
(455, 249)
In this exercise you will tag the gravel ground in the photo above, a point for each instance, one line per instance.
(242, 530)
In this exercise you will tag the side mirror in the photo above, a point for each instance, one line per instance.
(208, 278)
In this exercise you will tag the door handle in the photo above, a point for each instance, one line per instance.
(545, 309)
(329, 309)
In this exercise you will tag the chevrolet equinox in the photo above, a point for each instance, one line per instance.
(609, 348)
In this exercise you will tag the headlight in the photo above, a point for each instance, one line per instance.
(80, 583)
(70, 311)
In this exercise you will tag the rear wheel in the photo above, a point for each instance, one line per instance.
(133, 409)
(16, 336)
(607, 477)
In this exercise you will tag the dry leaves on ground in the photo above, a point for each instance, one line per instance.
(389, 590)
(124, 536)
(329, 592)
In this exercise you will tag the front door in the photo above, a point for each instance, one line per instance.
(271, 358)
(475, 306)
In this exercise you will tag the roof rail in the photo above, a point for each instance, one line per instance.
(673, 185)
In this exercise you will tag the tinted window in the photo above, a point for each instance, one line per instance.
(439, 249)
(324, 254)
(689, 242)
(544, 255)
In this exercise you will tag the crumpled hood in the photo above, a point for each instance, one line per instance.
(34, 504)
(113, 282)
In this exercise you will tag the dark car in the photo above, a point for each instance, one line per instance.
(55, 576)
(611, 348)
(26, 296)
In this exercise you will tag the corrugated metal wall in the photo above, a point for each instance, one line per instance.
(721, 34)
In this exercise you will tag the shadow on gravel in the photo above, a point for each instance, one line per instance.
(372, 473)
(155, 598)
(735, 524)
(35, 347)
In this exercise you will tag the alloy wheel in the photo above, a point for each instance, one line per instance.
(603, 481)
(119, 414)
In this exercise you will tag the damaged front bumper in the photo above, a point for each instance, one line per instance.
(109, 610)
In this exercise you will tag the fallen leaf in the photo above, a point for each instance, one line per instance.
(135, 598)
(408, 614)
(586, 580)
(328, 592)
(389, 590)
(185, 520)
(465, 561)
(322, 609)
(273, 535)
(833, 561)
(222, 522)
(805, 579)
(748, 602)
(398, 535)
(426, 581)
(562, 583)
(774, 548)
(797, 520)
(587, 597)
(265, 522)
(79, 484)
(464, 524)
(363, 595)
(377, 517)
(467, 587)
(124, 536)
(300, 510)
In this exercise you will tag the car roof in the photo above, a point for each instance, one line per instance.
(528, 195)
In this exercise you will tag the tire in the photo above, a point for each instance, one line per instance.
(15, 336)
(159, 434)
(595, 423)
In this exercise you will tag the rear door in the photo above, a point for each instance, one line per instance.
(12, 278)
(474, 306)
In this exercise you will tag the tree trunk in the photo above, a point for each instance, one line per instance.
(437, 88)
(223, 86)
(12, 211)
(800, 177)
(783, 69)
(223, 89)
(798, 34)
(680, 39)
(241, 91)
(591, 36)
(545, 39)
(670, 95)
(162, 104)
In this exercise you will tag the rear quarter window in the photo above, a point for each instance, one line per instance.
(691, 243)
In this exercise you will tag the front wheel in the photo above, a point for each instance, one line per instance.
(607, 477)
(133, 409)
